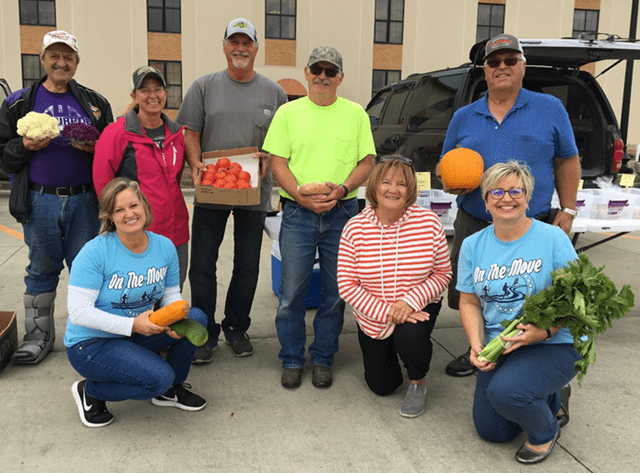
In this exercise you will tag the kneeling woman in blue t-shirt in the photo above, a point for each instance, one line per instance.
(114, 283)
(498, 267)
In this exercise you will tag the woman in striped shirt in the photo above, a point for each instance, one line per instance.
(393, 266)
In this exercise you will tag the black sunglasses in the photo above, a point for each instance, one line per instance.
(328, 71)
(401, 159)
(508, 61)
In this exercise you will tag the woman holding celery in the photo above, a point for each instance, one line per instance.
(498, 267)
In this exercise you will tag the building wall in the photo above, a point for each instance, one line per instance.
(113, 40)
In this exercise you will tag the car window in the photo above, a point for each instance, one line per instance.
(393, 113)
(432, 106)
(374, 109)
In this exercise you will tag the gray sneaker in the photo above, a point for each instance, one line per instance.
(413, 404)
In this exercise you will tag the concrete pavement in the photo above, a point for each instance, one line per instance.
(252, 424)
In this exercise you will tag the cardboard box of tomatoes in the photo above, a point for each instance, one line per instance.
(230, 177)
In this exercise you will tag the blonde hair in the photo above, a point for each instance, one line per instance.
(500, 171)
(379, 172)
(108, 202)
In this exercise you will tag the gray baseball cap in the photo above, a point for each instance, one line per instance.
(241, 25)
(327, 54)
(502, 41)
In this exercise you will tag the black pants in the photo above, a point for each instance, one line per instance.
(411, 342)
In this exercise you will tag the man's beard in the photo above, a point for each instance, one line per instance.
(240, 62)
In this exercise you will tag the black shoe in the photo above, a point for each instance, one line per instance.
(93, 412)
(291, 377)
(240, 344)
(204, 354)
(179, 396)
(461, 366)
(321, 377)
(563, 414)
(529, 457)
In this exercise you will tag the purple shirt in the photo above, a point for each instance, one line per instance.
(60, 164)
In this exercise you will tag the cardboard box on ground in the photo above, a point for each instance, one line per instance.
(213, 195)
(8, 337)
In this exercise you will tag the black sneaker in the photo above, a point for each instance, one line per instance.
(179, 396)
(93, 412)
(240, 344)
(204, 354)
(461, 366)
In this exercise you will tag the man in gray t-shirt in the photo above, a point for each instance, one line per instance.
(224, 110)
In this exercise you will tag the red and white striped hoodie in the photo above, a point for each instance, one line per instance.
(380, 264)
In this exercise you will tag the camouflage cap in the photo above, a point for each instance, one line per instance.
(326, 54)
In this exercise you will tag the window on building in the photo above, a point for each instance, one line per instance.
(172, 72)
(585, 22)
(38, 12)
(32, 70)
(389, 21)
(163, 16)
(382, 78)
(490, 21)
(280, 21)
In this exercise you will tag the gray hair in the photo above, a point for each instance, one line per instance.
(500, 171)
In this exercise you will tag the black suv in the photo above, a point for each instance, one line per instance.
(411, 117)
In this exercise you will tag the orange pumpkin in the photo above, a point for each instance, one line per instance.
(461, 168)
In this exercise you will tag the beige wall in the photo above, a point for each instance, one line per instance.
(113, 39)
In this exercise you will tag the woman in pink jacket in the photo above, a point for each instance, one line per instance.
(148, 147)
(393, 265)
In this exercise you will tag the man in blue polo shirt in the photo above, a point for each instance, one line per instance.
(512, 123)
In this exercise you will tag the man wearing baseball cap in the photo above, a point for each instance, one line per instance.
(511, 122)
(53, 175)
(327, 139)
(229, 109)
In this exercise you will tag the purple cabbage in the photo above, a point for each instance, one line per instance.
(80, 132)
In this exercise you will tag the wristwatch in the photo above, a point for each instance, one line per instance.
(549, 335)
(572, 212)
(346, 191)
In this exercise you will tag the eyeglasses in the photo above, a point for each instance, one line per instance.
(508, 61)
(329, 71)
(515, 193)
(401, 159)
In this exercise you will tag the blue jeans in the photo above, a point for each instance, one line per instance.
(301, 233)
(58, 229)
(523, 393)
(130, 367)
(207, 233)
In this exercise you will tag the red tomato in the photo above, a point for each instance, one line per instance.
(205, 183)
(244, 175)
(242, 184)
(235, 168)
(220, 174)
(223, 163)
(229, 185)
(230, 178)
(219, 183)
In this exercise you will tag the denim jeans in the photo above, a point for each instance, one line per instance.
(130, 367)
(301, 233)
(523, 393)
(58, 229)
(207, 233)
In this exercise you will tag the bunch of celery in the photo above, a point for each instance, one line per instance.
(581, 298)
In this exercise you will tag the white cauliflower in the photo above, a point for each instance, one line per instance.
(38, 126)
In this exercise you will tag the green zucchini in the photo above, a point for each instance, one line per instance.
(194, 331)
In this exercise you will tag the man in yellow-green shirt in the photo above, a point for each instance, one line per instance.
(320, 138)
